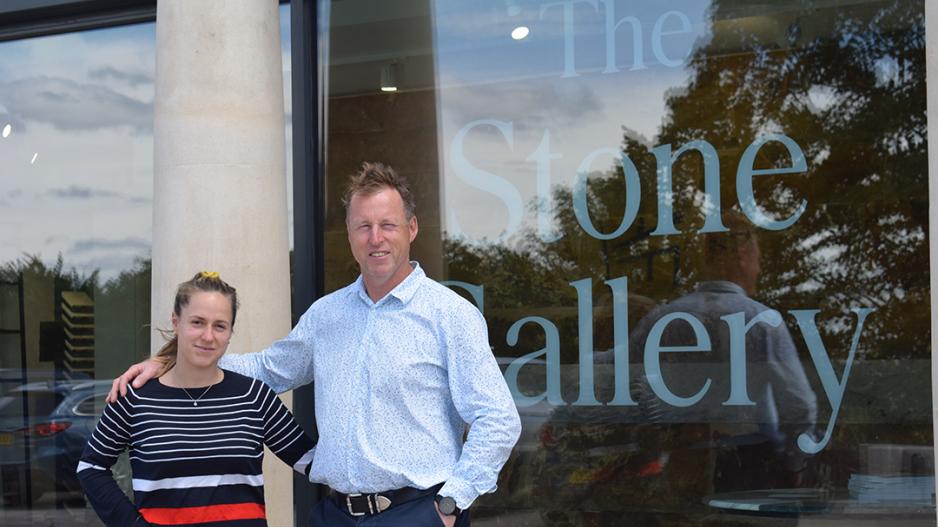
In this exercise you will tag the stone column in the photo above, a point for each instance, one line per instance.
(219, 197)
(931, 82)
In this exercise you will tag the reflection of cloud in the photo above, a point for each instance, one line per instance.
(109, 266)
(108, 256)
(103, 244)
(77, 192)
(529, 106)
(133, 79)
(55, 97)
(69, 105)
(8, 198)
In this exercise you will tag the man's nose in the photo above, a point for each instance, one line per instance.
(375, 236)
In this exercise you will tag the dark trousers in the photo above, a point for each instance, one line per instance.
(420, 512)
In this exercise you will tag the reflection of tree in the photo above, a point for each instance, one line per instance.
(68, 279)
(119, 312)
(515, 279)
(853, 98)
(71, 279)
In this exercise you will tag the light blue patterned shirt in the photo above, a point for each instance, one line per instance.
(396, 382)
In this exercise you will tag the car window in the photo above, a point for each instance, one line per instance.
(38, 403)
(90, 405)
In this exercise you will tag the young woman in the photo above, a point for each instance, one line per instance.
(196, 434)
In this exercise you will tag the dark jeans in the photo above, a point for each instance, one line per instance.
(417, 513)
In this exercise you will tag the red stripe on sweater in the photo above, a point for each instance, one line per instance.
(208, 514)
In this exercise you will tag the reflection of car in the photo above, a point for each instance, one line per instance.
(532, 416)
(646, 460)
(44, 427)
(12, 378)
(599, 464)
(515, 481)
(595, 462)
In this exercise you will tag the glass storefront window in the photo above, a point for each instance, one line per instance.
(76, 143)
(697, 231)
(76, 116)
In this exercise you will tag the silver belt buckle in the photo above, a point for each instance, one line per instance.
(374, 501)
(348, 504)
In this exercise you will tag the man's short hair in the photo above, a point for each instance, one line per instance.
(375, 177)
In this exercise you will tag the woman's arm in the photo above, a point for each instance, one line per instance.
(110, 438)
(283, 435)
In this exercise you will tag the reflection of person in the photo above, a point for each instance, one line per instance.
(196, 435)
(400, 364)
(784, 404)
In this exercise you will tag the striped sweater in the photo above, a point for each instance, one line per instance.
(193, 464)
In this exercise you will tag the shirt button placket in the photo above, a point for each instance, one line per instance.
(353, 397)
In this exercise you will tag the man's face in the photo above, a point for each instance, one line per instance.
(380, 235)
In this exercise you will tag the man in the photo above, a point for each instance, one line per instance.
(400, 365)
(757, 431)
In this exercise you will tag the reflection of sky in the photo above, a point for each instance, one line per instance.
(82, 104)
(474, 43)
(287, 109)
(484, 74)
(77, 175)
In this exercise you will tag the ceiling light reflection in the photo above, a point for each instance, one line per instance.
(520, 32)
(6, 130)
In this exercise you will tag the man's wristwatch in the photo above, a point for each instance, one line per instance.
(447, 505)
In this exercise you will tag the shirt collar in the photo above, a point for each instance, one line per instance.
(721, 286)
(404, 290)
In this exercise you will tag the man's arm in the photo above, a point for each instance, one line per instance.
(286, 364)
(483, 400)
(795, 401)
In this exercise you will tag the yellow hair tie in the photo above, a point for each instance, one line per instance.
(212, 275)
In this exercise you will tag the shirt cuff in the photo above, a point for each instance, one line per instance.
(461, 491)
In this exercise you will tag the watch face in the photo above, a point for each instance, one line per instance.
(447, 505)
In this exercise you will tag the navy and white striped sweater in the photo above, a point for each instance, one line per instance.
(192, 464)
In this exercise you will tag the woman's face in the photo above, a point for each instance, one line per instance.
(203, 329)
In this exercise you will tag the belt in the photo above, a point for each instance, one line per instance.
(359, 504)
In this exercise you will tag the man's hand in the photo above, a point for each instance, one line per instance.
(139, 373)
(448, 521)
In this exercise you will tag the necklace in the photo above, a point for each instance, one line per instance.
(195, 400)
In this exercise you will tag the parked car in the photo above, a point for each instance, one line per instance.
(12, 378)
(44, 427)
